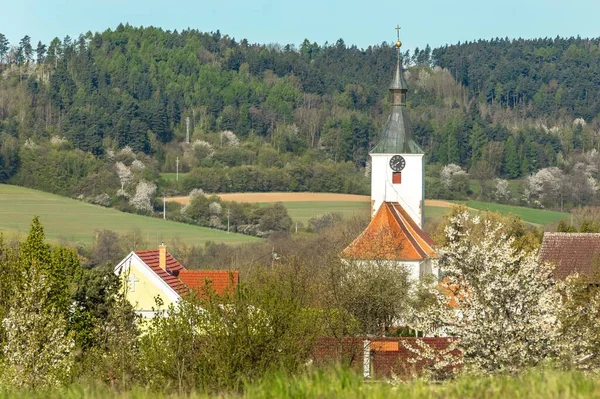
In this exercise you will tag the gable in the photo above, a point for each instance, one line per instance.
(143, 284)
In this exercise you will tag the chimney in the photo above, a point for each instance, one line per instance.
(162, 256)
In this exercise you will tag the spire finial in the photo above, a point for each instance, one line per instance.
(398, 42)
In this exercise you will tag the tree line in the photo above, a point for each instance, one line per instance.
(148, 90)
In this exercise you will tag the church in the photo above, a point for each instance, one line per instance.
(395, 233)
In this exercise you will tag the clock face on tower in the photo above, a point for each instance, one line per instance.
(397, 163)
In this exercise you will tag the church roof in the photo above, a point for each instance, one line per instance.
(397, 136)
(571, 253)
(391, 235)
(182, 280)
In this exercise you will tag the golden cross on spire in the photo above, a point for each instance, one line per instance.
(398, 42)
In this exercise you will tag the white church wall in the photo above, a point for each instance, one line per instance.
(409, 193)
(415, 269)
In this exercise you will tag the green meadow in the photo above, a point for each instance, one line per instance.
(303, 211)
(75, 221)
(537, 216)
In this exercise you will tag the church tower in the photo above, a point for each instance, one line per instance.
(397, 173)
(395, 233)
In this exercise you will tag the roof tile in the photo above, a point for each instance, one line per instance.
(571, 253)
(392, 235)
(221, 280)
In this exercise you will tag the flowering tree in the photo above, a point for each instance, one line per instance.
(230, 137)
(580, 321)
(436, 363)
(142, 200)
(125, 176)
(501, 190)
(547, 186)
(449, 173)
(137, 165)
(38, 349)
(504, 300)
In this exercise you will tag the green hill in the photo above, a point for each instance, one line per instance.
(75, 221)
(537, 216)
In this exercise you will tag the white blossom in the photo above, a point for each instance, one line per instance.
(501, 190)
(215, 208)
(57, 140)
(38, 350)
(137, 165)
(448, 172)
(29, 143)
(142, 200)
(505, 301)
(125, 175)
(230, 137)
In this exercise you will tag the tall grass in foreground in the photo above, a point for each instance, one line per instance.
(340, 383)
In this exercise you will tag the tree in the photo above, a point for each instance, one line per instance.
(40, 52)
(580, 320)
(142, 200)
(512, 163)
(506, 301)
(275, 218)
(4, 46)
(38, 347)
(25, 44)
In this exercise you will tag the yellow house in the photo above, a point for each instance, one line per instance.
(155, 273)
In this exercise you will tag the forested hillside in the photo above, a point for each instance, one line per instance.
(96, 116)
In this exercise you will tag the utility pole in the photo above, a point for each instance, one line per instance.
(164, 208)
(228, 220)
(187, 129)
(177, 169)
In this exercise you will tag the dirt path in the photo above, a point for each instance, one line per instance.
(300, 197)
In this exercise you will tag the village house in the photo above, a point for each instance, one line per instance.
(395, 234)
(154, 273)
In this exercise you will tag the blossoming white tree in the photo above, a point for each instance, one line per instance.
(504, 300)
(38, 350)
(142, 200)
(125, 177)
(501, 190)
(449, 172)
(230, 138)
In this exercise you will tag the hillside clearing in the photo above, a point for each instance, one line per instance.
(76, 221)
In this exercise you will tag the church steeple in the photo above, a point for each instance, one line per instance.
(397, 136)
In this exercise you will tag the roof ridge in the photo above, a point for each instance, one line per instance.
(403, 226)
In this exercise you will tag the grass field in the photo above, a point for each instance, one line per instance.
(339, 383)
(304, 206)
(75, 221)
(172, 176)
(537, 216)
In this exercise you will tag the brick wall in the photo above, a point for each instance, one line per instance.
(388, 355)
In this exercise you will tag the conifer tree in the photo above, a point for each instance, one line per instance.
(512, 163)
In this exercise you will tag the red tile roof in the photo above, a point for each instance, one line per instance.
(571, 253)
(392, 235)
(182, 280)
(221, 280)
